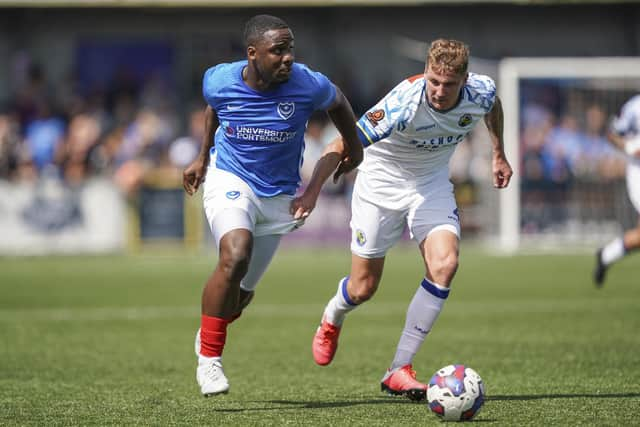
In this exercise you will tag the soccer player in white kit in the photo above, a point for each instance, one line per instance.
(625, 135)
(409, 137)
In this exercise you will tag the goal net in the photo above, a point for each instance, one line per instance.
(569, 187)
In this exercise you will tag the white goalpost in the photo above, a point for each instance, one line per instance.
(568, 186)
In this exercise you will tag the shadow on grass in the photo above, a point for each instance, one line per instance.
(284, 405)
(297, 405)
(294, 405)
(565, 396)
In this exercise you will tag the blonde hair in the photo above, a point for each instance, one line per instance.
(448, 56)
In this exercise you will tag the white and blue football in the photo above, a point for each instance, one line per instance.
(455, 393)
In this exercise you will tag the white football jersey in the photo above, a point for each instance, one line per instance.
(407, 141)
(627, 124)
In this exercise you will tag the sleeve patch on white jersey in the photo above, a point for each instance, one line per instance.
(396, 109)
(375, 116)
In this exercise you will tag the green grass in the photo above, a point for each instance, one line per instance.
(109, 341)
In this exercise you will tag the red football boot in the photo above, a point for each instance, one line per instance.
(325, 343)
(402, 381)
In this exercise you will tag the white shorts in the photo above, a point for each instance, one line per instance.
(633, 184)
(264, 215)
(376, 225)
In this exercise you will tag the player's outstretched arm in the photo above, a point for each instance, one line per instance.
(302, 206)
(342, 155)
(342, 116)
(194, 174)
(502, 171)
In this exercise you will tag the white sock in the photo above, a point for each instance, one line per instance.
(613, 251)
(421, 315)
(339, 305)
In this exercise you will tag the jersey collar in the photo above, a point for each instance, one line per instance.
(432, 108)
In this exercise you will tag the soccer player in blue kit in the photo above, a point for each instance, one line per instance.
(250, 163)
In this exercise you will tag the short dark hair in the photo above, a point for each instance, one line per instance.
(260, 24)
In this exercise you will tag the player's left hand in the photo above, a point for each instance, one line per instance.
(302, 206)
(502, 171)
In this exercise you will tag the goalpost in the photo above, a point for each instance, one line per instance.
(568, 189)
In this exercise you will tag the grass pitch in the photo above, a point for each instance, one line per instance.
(109, 341)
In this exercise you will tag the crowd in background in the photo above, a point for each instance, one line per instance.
(135, 132)
(127, 131)
(566, 160)
(124, 131)
(132, 132)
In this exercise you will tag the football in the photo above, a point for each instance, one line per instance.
(455, 393)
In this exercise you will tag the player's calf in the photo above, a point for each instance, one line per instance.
(244, 300)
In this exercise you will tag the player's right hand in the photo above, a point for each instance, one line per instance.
(302, 206)
(345, 166)
(194, 175)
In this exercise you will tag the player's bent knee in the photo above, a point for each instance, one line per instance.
(235, 268)
(234, 262)
(444, 268)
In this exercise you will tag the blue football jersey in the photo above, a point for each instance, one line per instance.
(261, 134)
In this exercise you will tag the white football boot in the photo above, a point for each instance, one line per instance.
(209, 373)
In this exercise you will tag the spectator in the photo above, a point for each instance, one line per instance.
(44, 136)
(184, 150)
(9, 145)
(82, 137)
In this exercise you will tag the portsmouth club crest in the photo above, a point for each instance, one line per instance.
(228, 129)
(286, 109)
(465, 120)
